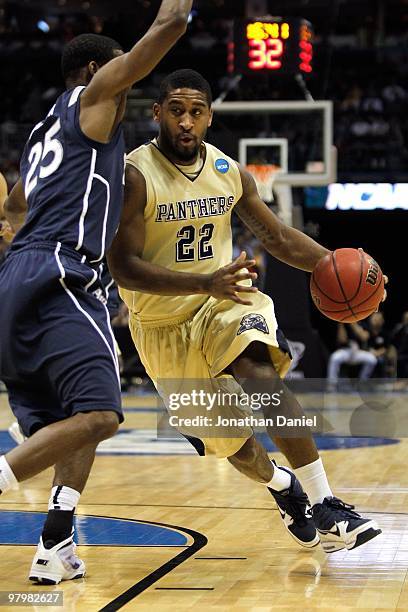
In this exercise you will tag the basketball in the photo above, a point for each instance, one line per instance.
(347, 285)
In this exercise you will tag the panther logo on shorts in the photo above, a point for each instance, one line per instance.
(253, 321)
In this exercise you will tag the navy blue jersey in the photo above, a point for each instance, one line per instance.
(73, 185)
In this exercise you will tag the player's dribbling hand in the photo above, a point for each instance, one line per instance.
(384, 297)
(225, 283)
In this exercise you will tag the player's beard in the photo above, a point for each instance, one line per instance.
(174, 150)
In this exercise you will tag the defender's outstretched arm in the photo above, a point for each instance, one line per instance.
(125, 70)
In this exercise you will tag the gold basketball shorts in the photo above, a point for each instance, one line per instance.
(199, 347)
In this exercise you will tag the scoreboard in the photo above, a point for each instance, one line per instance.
(273, 46)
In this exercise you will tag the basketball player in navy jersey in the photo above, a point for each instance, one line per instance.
(57, 355)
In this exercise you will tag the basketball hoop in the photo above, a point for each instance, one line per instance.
(264, 175)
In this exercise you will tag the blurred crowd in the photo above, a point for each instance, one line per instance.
(370, 349)
(371, 127)
(368, 85)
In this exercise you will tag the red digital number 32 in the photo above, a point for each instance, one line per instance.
(265, 54)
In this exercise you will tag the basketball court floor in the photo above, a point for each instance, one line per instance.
(163, 529)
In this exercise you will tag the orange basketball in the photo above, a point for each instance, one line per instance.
(347, 285)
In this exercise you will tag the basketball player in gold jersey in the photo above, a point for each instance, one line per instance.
(193, 315)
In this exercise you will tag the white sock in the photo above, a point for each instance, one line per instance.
(7, 479)
(280, 480)
(313, 479)
(63, 498)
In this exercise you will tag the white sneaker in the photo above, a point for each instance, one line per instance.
(51, 565)
(16, 433)
(339, 526)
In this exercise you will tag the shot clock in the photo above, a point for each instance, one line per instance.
(273, 46)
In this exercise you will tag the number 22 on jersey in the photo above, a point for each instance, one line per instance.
(187, 250)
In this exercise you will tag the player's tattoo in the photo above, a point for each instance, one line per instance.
(257, 227)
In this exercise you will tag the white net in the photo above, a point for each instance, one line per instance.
(264, 175)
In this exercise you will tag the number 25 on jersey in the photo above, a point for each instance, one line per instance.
(46, 154)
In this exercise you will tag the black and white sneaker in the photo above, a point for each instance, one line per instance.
(340, 527)
(294, 508)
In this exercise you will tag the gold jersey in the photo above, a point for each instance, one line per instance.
(187, 224)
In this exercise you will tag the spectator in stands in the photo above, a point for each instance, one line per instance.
(352, 101)
(379, 343)
(400, 340)
(11, 172)
(245, 241)
(372, 102)
(394, 95)
(352, 340)
(122, 317)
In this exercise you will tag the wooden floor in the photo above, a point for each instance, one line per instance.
(249, 562)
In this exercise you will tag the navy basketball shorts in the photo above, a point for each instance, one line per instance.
(57, 351)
